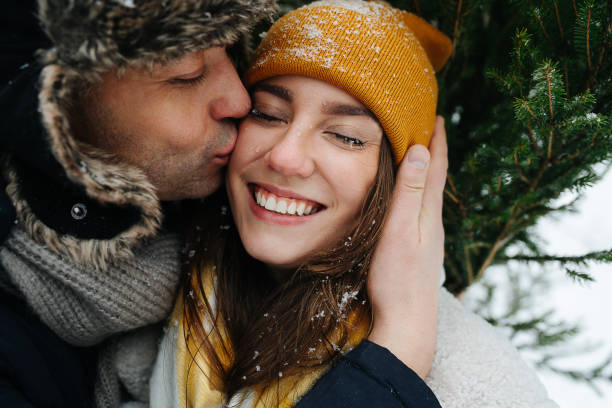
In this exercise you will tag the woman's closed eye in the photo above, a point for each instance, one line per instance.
(347, 141)
(259, 115)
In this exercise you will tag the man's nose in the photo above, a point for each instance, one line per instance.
(234, 100)
(292, 154)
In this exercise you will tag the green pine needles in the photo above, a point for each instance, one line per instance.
(540, 126)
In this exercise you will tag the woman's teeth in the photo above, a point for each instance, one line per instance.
(283, 205)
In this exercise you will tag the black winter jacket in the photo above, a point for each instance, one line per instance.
(37, 368)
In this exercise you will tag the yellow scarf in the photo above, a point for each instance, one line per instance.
(197, 389)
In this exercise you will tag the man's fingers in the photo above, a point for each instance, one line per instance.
(409, 187)
(419, 188)
(436, 177)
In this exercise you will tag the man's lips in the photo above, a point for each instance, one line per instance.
(226, 152)
(227, 149)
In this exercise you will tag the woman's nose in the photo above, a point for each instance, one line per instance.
(291, 155)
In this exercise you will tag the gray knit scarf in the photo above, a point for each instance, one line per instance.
(117, 307)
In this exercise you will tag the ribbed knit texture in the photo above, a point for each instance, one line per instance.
(86, 307)
(383, 56)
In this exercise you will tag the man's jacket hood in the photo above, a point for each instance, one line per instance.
(78, 200)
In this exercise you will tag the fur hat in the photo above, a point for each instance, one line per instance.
(98, 35)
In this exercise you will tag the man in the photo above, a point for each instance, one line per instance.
(127, 113)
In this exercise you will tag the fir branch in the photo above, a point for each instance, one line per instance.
(577, 153)
(455, 195)
(468, 264)
(518, 169)
(560, 335)
(588, 32)
(558, 19)
(497, 244)
(547, 72)
(596, 256)
(525, 105)
(534, 144)
(536, 14)
(602, 52)
(588, 377)
(579, 277)
(457, 23)
(529, 324)
(550, 143)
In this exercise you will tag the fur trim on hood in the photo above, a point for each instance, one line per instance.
(103, 178)
(90, 37)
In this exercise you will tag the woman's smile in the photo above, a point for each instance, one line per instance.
(305, 159)
(278, 209)
(284, 202)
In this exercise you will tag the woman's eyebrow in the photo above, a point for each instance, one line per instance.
(348, 110)
(275, 90)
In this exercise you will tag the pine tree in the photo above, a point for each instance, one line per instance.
(527, 95)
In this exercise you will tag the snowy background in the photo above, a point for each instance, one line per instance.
(590, 305)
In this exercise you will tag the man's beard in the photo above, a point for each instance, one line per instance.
(193, 175)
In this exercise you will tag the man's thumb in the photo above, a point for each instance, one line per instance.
(411, 178)
(407, 199)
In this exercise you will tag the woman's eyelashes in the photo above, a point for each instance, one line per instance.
(346, 140)
(256, 113)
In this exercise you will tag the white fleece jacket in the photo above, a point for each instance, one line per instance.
(475, 366)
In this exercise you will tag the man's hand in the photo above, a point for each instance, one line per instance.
(404, 276)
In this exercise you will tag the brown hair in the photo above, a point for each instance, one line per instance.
(275, 326)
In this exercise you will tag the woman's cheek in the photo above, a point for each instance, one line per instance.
(251, 141)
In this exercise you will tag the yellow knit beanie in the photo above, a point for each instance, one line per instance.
(383, 56)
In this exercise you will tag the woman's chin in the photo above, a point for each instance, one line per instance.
(275, 258)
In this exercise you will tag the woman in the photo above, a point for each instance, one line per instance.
(277, 287)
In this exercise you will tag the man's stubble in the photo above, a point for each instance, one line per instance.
(176, 172)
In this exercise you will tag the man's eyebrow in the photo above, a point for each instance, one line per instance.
(193, 60)
(275, 90)
(348, 110)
